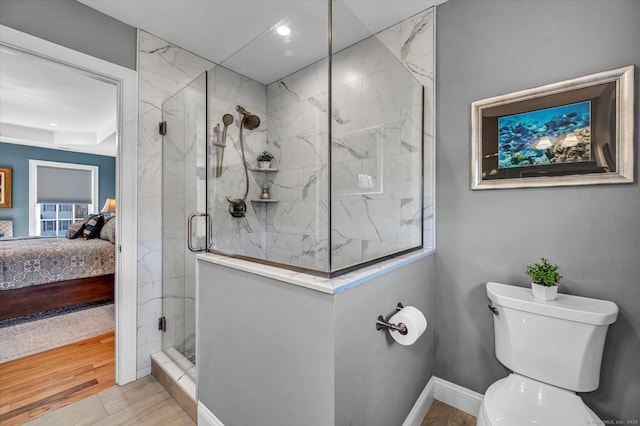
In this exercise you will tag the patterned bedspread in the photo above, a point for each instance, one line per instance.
(27, 262)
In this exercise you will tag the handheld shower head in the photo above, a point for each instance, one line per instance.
(227, 119)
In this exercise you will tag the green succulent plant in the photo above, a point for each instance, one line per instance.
(544, 273)
(265, 156)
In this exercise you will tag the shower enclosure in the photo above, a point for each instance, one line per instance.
(345, 130)
(343, 118)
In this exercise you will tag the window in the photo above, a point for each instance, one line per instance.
(59, 195)
(54, 219)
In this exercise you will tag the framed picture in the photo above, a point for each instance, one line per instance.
(5, 187)
(575, 132)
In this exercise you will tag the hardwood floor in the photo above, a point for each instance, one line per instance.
(43, 382)
(441, 414)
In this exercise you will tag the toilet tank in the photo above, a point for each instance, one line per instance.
(558, 342)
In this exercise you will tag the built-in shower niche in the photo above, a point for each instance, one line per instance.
(334, 205)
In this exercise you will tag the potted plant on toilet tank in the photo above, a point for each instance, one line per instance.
(544, 279)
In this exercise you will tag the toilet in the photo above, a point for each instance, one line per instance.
(554, 349)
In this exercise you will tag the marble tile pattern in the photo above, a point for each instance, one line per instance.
(247, 236)
(163, 70)
(376, 155)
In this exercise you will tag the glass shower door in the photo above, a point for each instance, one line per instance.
(183, 205)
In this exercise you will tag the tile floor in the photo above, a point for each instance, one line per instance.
(145, 402)
(441, 414)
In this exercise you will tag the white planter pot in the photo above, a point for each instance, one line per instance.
(542, 292)
(264, 164)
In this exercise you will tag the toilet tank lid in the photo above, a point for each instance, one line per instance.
(568, 307)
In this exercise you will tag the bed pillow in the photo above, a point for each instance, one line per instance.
(108, 231)
(75, 230)
(92, 226)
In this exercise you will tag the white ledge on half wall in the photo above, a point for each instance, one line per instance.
(325, 285)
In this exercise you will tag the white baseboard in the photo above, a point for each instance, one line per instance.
(206, 417)
(420, 408)
(461, 398)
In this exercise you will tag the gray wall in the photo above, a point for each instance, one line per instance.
(491, 47)
(73, 25)
(265, 350)
(377, 379)
(271, 353)
(17, 157)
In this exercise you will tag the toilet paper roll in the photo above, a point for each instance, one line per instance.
(415, 322)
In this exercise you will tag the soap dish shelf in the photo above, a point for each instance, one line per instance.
(269, 170)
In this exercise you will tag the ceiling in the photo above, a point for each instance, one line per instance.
(49, 105)
(238, 34)
(241, 34)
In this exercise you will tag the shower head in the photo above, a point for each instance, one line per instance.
(250, 121)
(227, 119)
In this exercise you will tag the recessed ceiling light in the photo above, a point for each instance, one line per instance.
(53, 124)
(283, 30)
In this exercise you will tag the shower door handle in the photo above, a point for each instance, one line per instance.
(190, 233)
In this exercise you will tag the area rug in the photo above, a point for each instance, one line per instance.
(17, 341)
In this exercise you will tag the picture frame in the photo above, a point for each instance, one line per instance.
(5, 188)
(574, 132)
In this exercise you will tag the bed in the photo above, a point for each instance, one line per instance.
(41, 274)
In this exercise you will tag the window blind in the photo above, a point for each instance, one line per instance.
(59, 185)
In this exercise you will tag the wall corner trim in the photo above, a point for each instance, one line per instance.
(206, 417)
(457, 396)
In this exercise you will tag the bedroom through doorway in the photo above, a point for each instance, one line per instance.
(61, 127)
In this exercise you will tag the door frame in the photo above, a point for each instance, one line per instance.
(125, 80)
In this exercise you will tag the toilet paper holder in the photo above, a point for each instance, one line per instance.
(381, 324)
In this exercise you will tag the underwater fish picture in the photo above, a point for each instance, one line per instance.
(555, 135)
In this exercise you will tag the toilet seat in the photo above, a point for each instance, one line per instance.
(519, 401)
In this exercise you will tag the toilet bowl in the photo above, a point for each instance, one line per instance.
(519, 401)
(554, 349)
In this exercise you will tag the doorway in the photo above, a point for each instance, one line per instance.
(124, 81)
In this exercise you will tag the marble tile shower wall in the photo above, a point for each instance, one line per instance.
(412, 42)
(375, 151)
(246, 236)
(163, 70)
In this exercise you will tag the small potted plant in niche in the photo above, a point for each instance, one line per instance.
(264, 160)
(544, 279)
